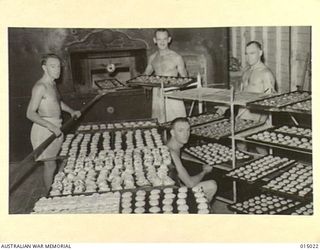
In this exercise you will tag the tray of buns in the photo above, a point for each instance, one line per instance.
(280, 100)
(89, 144)
(200, 119)
(111, 84)
(295, 183)
(265, 204)
(258, 169)
(118, 125)
(305, 209)
(156, 81)
(215, 154)
(285, 136)
(303, 107)
(111, 170)
(164, 200)
(168, 200)
(222, 128)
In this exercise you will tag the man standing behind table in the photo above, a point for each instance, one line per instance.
(180, 133)
(44, 110)
(256, 78)
(165, 62)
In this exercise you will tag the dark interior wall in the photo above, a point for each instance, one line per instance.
(26, 45)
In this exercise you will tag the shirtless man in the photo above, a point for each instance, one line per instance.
(256, 78)
(180, 132)
(165, 62)
(44, 110)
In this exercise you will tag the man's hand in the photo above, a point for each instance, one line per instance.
(54, 129)
(76, 114)
(206, 168)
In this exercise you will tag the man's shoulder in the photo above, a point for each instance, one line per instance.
(39, 86)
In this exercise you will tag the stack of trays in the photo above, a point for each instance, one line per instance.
(294, 183)
(222, 128)
(155, 81)
(119, 125)
(260, 168)
(215, 153)
(265, 204)
(169, 200)
(306, 209)
(289, 137)
(279, 101)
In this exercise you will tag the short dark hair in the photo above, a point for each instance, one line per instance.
(259, 46)
(45, 58)
(162, 30)
(178, 119)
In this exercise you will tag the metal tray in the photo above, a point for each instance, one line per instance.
(155, 121)
(249, 138)
(145, 80)
(225, 134)
(110, 84)
(226, 164)
(257, 105)
(260, 179)
(288, 210)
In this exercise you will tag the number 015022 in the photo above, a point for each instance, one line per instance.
(309, 246)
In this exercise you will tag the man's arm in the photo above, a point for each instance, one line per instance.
(181, 67)
(72, 112)
(32, 114)
(149, 69)
(189, 181)
(268, 82)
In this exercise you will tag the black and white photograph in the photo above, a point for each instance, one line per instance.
(165, 121)
(213, 120)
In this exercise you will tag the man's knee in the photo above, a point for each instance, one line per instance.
(213, 185)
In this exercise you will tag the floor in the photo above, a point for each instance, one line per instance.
(22, 200)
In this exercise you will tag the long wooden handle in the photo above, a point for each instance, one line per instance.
(35, 153)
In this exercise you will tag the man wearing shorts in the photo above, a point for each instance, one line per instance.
(180, 133)
(44, 110)
(165, 62)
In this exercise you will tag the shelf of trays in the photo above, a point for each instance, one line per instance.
(276, 177)
(281, 137)
(152, 200)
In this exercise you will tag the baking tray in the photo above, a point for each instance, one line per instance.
(249, 138)
(145, 80)
(153, 120)
(259, 179)
(166, 125)
(290, 108)
(112, 139)
(287, 210)
(226, 164)
(257, 105)
(295, 195)
(190, 200)
(205, 137)
(111, 84)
